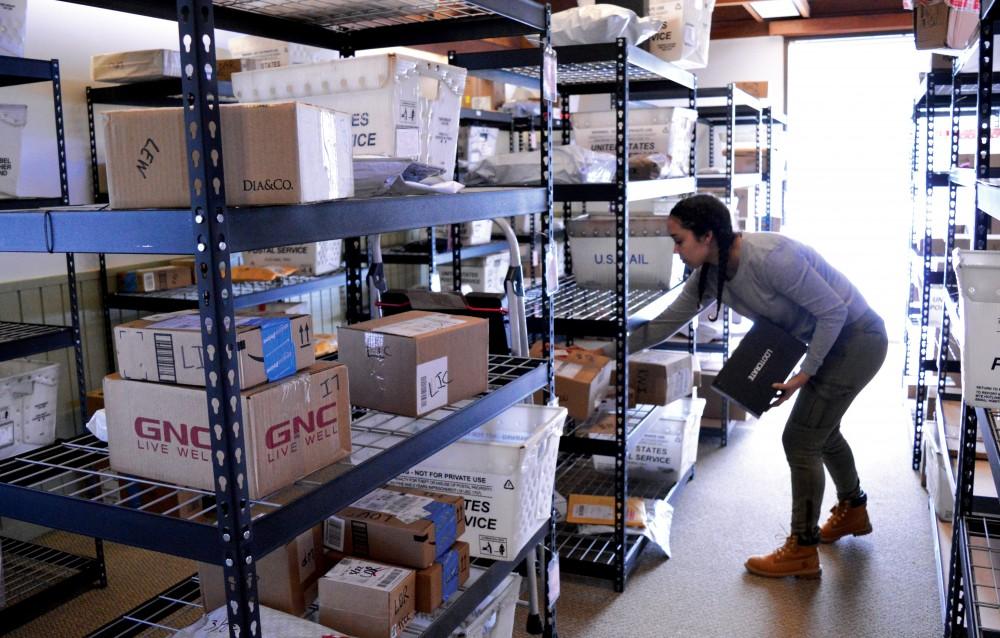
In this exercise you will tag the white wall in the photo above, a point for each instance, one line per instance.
(747, 60)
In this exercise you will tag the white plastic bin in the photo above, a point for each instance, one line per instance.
(28, 392)
(494, 617)
(669, 131)
(13, 118)
(670, 444)
(651, 251)
(13, 15)
(978, 273)
(505, 470)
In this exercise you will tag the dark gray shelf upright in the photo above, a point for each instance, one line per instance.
(620, 70)
(35, 578)
(239, 529)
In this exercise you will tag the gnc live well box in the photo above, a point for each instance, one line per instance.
(167, 348)
(291, 428)
(283, 153)
(367, 599)
(415, 362)
(400, 106)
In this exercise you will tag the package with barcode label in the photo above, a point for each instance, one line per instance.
(415, 362)
(582, 378)
(367, 599)
(406, 527)
(588, 509)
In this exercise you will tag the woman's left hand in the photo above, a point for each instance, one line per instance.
(789, 387)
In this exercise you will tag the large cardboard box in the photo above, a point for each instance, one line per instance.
(291, 428)
(582, 378)
(315, 258)
(400, 106)
(437, 583)
(13, 119)
(415, 362)
(135, 66)
(684, 37)
(754, 89)
(482, 274)
(264, 53)
(167, 348)
(286, 578)
(938, 25)
(658, 377)
(153, 279)
(667, 131)
(367, 599)
(651, 251)
(669, 445)
(13, 14)
(284, 153)
(402, 527)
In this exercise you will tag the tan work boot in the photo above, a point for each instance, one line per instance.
(845, 520)
(791, 559)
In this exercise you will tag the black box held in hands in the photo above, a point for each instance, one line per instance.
(766, 356)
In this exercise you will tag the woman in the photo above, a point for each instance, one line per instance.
(777, 278)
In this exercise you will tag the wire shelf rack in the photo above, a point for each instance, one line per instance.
(23, 339)
(356, 15)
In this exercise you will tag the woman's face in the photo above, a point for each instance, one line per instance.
(694, 252)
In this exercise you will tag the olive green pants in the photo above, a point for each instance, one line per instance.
(812, 437)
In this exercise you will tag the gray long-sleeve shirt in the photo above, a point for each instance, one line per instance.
(779, 279)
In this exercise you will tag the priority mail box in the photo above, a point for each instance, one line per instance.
(437, 583)
(290, 429)
(651, 251)
(582, 378)
(415, 362)
(284, 153)
(13, 14)
(315, 258)
(167, 348)
(158, 278)
(13, 119)
(400, 106)
(135, 66)
(367, 599)
(286, 578)
(666, 131)
(658, 377)
(505, 472)
(670, 444)
(403, 527)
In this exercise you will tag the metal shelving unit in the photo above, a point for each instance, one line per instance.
(972, 599)
(620, 70)
(69, 485)
(34, 578)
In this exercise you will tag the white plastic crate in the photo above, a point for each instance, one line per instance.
(28, 393)
(670, 444)
(651, 251)
(505, 470)
(13, 119)
(978, 273)
(494, 617)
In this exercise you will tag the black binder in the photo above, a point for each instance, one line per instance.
(767, 355)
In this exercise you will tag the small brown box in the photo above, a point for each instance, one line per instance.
(153, 279)
(658, 377)
(436, 584)
(582, 378)
(224, 69)
(415, 362)
(95, 401)
(755, 89)
(367, 599)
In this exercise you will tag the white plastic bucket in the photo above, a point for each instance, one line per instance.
(978, 273)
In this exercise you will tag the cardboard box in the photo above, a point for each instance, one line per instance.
(588, 509)
(95, 401)
(264, 53)
(291, 428)
(437, 583)
(402, 527)
(13, 14)
(582, 378)
(482, 95)
(658, 377)
(669, 131)
(315, 258)
(167, 348)
(187, 262)
(286, 578)
(226, 68)
(284, 153)
(153, 279)
(937, 25)
(482, 274)
(684, 37)
(755, 89)
(670, 444)
(415, 362)
(367, 599)
(135, 66)
(13, 119)
(651, 251)
(400, 106)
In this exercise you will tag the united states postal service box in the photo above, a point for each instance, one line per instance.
(685, 35)
(284, 153)
(668, 131)
(505, 471)
(415, 362)
(292, 428)
(167, 348)
(13, 119)
(651, 251)
(670, 444)
(314, 258)
(400, 106)
(367, 599)
(403, 527)
(286, 578)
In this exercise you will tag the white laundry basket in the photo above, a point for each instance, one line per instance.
(978, 273)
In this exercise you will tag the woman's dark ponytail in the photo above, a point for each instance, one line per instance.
(700, 214)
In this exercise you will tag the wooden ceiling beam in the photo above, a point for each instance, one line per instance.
(900, 21)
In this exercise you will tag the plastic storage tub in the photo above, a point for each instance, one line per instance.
(651, 251)
(28, 392)
(494, 617)
(978, 273)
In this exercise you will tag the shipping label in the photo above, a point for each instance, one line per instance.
(591, 511)
(432, 385)
(369, 575)
(422, 325)
(333, 533)
(408, 508)
(568, 368)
